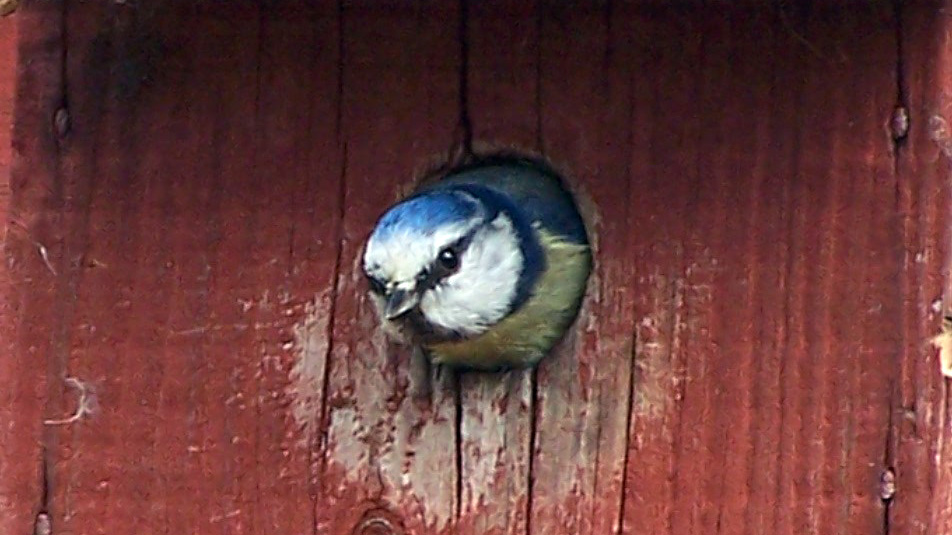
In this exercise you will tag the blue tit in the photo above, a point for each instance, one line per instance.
(485, 268)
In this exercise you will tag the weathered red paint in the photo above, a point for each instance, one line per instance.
(388, 455)
(583, 391)
(27, 293)
(8, 57)
(18, 481)
(752, 355)
(502, 45)
(921, 422)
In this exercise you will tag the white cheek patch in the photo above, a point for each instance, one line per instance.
(480, 293)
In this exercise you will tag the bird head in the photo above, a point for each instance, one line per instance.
(453, 259)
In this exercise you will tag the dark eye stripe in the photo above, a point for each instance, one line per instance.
(437, 271)
(462, 244)
(376, 285)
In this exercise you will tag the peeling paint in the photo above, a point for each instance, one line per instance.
(495, 443)
(348, 437)
(939, 133)
(380, 445)
(656, 341)
(310, 347)
(943, 342)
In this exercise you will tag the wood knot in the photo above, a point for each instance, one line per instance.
(379, 521)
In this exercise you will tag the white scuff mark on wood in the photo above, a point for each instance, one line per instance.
(224, 516)
(350, 448)
(84, 406)
(943, 342)
(265, 300)
(310, 348)
(45, 256)
(245, 304)
(936, 306)
(237, 327)
(656, 343)
(939, 133)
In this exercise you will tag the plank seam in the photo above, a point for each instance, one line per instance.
(629, 411)
(465, 121)
(533, 431)
(899, 128)
(332, 312)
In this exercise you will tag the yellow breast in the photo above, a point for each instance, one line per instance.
(525, 336)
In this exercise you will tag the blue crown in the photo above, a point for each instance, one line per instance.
(424, 213)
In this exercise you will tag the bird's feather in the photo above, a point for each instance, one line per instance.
(523, 337)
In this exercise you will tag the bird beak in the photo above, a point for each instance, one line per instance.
(399, 302)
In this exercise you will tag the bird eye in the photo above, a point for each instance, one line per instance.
(448, 259)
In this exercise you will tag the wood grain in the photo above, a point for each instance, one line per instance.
(497, 419)
(922, 421)
(28, 308)
(584, 389)
(390, 460)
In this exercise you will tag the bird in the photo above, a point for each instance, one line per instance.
(485, 268)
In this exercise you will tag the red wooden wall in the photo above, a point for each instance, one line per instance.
(192, 184)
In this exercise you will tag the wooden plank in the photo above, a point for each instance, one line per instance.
(751, 414)
(921, 441)
(191, 206)
(496, 423)
(702, 235)
(772, 250)
(870, 241)
(8, 76)
(721, 272)
(166, 297)
(299, 92)
(663, 153)
(28, 302)
(584, 389)
(202, 342)
(390, 463)
(98, 263)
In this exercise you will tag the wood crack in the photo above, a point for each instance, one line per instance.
(465, 122)
(533, 431)
(458, 401)
(899, 132)
(332, 312)
(629, 412)
(899, 121)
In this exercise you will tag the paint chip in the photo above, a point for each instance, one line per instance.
(943, 342)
